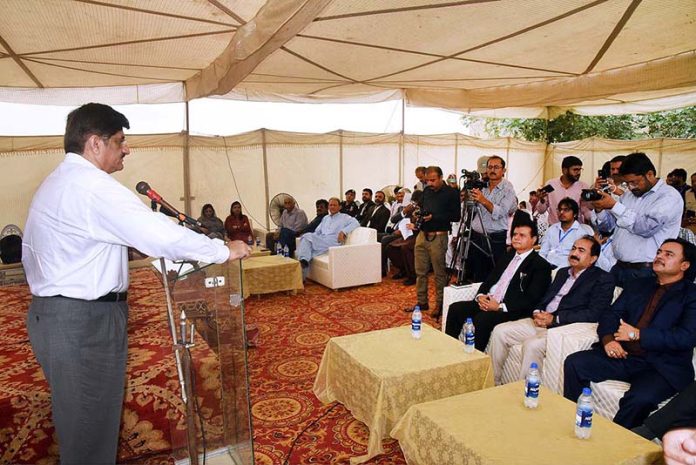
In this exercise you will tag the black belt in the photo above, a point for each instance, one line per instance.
(635, 266)
(110, 297)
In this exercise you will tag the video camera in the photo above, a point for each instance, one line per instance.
(472, 180)
(590, 195)
(419, 214)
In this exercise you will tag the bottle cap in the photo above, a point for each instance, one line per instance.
(417, 307)
(586, 391)
(534, 365)
(469, 321)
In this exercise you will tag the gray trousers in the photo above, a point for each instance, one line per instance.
(82, 348)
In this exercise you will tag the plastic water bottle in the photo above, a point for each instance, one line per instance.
(531, 387)
(583, 415)
(416, 318)
(469, 332)
(286, 251)
(279, 249)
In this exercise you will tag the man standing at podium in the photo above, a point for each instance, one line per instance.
(75, 255)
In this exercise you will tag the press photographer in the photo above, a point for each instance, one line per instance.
(440, 207)
(499, 201)
(643, 217)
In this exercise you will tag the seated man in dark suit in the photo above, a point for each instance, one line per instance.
(322, 206)
(379, 216)
(579, 293)
(646, 338)
(511, 291)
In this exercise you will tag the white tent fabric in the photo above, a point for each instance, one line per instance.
(253, 167)
(538, 57)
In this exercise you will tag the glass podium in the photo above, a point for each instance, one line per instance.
(208, 309)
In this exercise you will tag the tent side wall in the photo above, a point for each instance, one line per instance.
(311, 166)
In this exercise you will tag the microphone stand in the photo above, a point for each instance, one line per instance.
(182, 355)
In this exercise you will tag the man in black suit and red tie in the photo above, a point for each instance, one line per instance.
(510, 292)
(646, 338)
(579, 294)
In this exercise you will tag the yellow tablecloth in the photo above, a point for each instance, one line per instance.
(380, 374)
(494, 427)
(258, 251)
(272, 273)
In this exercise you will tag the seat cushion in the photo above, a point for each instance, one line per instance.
(321, 261)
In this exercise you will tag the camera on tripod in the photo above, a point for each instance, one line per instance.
(472, 180)
(590, 195)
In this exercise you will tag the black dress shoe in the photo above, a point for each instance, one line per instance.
(423, 307)
(410, 282)
(304, 263)
(399, 275)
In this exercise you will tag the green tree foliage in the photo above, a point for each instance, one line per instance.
(676, 123)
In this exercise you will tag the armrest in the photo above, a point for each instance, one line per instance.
(561, 342)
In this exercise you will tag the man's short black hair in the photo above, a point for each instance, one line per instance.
(11, 249)
(350, 191)
(382, 192)
(570, 161)
(638, 164)
(420, 169)
(689, 253)
(596, 248)
(526, 222)
(91, 119)
(679, 173)
(570, 203)
(367, 189)
(434, 169)
(323, 202)
(618, 158)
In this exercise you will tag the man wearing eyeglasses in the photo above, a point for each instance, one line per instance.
(647, 214)
(499, 201)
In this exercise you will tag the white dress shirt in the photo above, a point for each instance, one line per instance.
(80, 224)
(557, 243)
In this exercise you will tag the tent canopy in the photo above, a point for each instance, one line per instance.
(503, 57)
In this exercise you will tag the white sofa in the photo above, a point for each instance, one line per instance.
(355, 263)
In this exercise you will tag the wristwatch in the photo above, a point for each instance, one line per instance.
(632, 336)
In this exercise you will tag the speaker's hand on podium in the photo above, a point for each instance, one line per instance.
(238, 249)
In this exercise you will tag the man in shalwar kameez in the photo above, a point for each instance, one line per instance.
(332, 231)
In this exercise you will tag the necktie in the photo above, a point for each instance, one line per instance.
(505, 279)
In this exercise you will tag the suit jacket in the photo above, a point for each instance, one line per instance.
(527, 286)
(364, 212)
(670, 338)
(378, 218)
(589, 296)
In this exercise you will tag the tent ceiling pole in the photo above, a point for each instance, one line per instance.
(340, 164)
(402, 152)
(187, 163)
(265, 176)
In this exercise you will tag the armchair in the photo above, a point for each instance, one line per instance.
(355, 263)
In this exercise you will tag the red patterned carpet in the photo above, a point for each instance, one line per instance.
(294, 331)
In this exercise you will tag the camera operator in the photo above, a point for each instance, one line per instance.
(568, 185)
(439, 208)
(499, 201)
(644, 217)
(612, 178)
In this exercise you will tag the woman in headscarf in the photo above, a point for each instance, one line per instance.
(237, 226)
(211, 225)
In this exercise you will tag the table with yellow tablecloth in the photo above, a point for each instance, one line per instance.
(272, 273)
(494, 427)
(378, 375)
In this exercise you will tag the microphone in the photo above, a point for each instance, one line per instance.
(144, 188)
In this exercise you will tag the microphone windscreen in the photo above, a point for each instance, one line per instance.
(142, 187)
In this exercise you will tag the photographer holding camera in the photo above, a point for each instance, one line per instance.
(440, 207)
(499, 201)
(643, 218)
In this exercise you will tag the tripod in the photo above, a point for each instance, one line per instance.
(470, 209)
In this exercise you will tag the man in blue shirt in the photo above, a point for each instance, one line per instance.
(647, 214)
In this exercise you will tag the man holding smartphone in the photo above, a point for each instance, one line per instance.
(568, 185)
